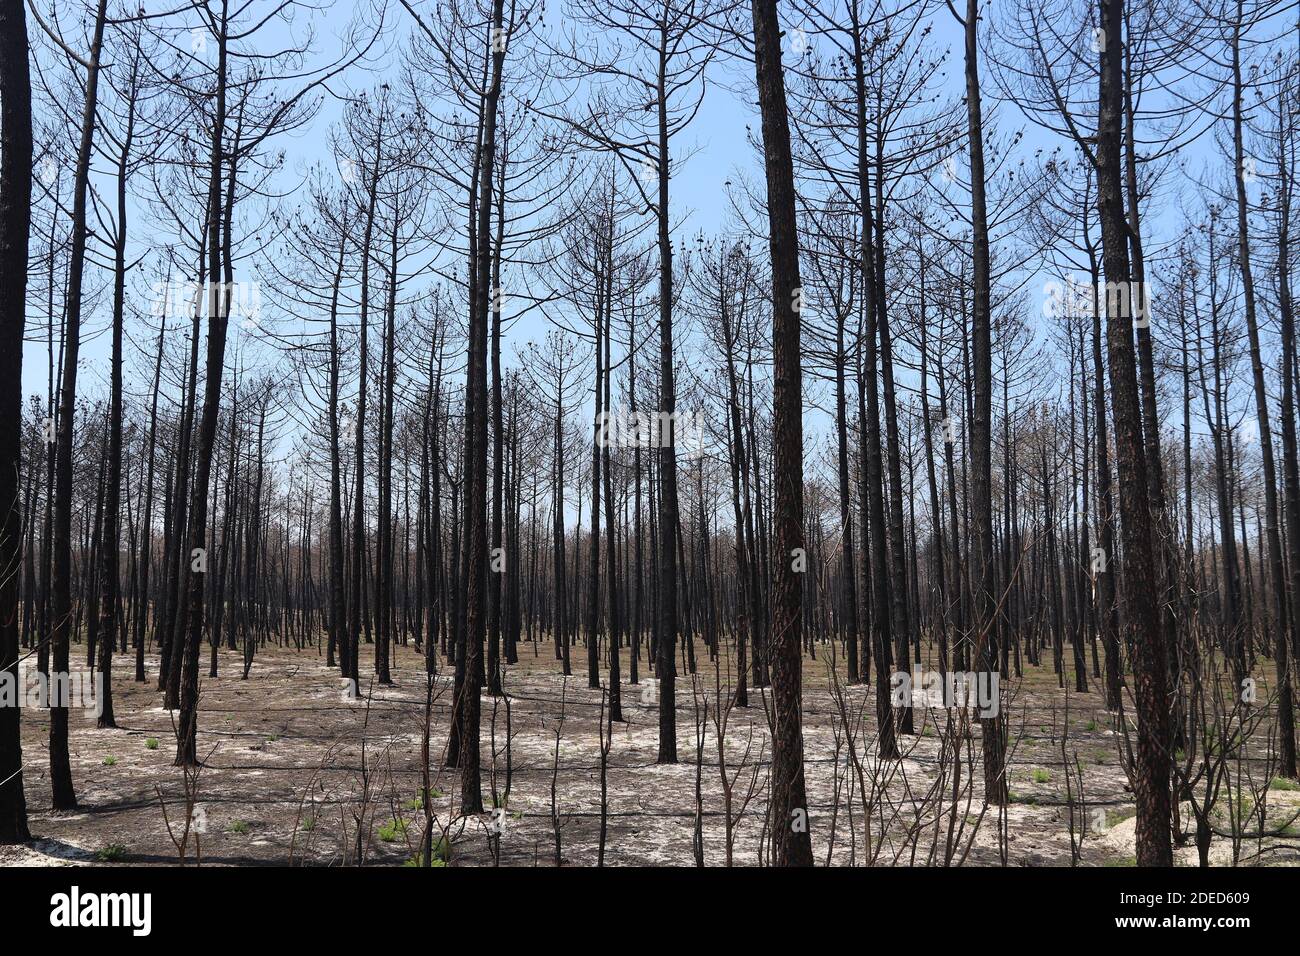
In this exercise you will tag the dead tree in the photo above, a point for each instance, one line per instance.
(15, 227)
(791, 842)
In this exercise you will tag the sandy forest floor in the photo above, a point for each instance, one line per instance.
(283, 780)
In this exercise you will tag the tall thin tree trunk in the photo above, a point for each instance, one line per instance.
(65, 797)
(15, 229)
(791, 841)
(1138, 578)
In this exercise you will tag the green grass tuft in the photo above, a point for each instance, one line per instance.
(389, 832)
(441, 855)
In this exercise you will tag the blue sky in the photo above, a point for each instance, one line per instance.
(716, 144)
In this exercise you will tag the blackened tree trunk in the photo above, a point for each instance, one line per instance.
(900, 619)
(15, 229)
(476, 439)
(848, 567)
(611, 569)
(218, 318)
(602, 259)
(791, 841)
(1277, 574)
(1138, 578)
(669, 514)
(110, 534)
(748, 612)
(352, 651)
(869, 411)
(992, 726)
(936, 513)
(338, 635)
(178, 566)
(146, 529)
(384, 525)
(433, 559)
(504, 560)
(560, 613)
(1290, 468)
(638, 561)
(65, 797)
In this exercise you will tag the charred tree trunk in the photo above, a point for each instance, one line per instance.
(110, 533)
(983, 570)
(65, 797)
(1139, 576)
(15, 229)
(218, 319)
(791, 842)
